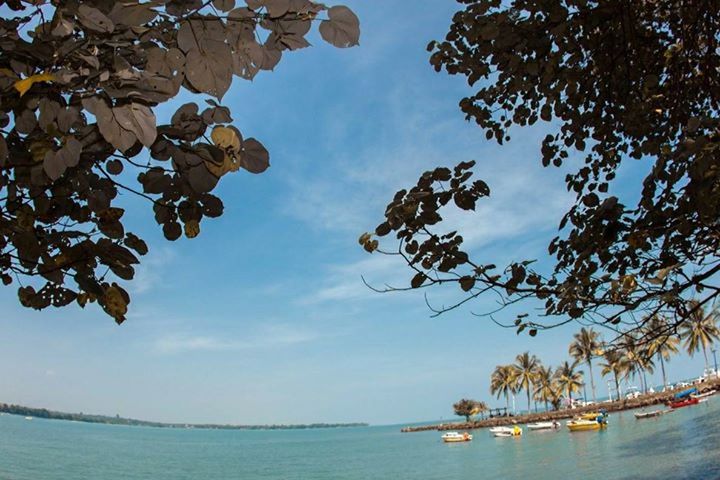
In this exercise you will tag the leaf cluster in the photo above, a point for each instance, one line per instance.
(617, 82)
(80, 83)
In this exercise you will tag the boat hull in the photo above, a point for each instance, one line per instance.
(457, 440)
(584, 425)
(542, 426)
(456, 437)
(641, 415)
(684, 403)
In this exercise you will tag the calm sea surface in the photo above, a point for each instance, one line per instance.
(684, 444)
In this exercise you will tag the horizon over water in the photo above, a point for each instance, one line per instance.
(684, 444)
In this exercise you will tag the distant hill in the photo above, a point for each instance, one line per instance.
(118, 420)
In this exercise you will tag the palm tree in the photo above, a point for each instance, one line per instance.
(586, 346)
(544, 390)
(525, 370)
(699, 329)
(502, 382)
(615, 362)
(662, 344)
(638, 357)
(568, 379)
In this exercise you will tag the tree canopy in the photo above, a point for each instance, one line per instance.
(616, 82)
(467, 408)
(79, 81)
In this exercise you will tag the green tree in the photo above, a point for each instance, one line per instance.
(568, 379)
(638, 357)
(700, 330)
(80, 83)
(663, 345)
(526, 367)
(616, 81)
(467, 408)
(615, 362)
(583, 348)
(544, 387)
(502, 382)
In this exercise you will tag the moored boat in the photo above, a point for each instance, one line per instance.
(543, 425)
(685, 402)
(509, 432)
(495, 430)
(581, 425)
(454, 437)
(588, 421)
(653, 413)
(701, 396)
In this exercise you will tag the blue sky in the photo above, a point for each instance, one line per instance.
(263, 318)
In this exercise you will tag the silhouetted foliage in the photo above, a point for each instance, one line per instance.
(78, 84)
(467, 408)
(617, 82)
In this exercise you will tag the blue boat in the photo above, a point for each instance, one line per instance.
(686, 393)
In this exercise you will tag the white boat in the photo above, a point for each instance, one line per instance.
(495, 430)
(454, 437)
(653, 413)
(543, 425)
(28, 418)
(509, 432)
(701, 396)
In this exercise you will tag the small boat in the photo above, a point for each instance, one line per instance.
(653, 413)
(685, 402)
(454, 437)
(495, 430)
(581, 425)
(588, 421)
(28, 418)
(705, 395)
(509, 432)
(543, 425)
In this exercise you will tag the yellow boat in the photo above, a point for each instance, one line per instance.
(581, 425)
(588, 421)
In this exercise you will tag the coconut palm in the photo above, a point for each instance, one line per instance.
(544, 387)
(700, 329)
(638, 357)
(615, 362)
(525, 366)
(584, 347)
(502, 382)
(663, 344)
(568, 379)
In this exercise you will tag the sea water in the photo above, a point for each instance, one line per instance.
(683, 444)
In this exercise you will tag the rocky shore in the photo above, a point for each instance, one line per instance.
(616, 406)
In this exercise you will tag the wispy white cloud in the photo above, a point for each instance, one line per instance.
(272, 336)
(151, 271)
(420, 132)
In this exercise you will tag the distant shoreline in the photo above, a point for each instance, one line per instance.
(117, 420)
(645, 400)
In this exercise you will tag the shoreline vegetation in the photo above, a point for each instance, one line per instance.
(118, 420)
(644, 400)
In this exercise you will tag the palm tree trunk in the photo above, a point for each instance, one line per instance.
(528, 396)
(705, 355)
(617, 385)
(662, 367)
(592, 380)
